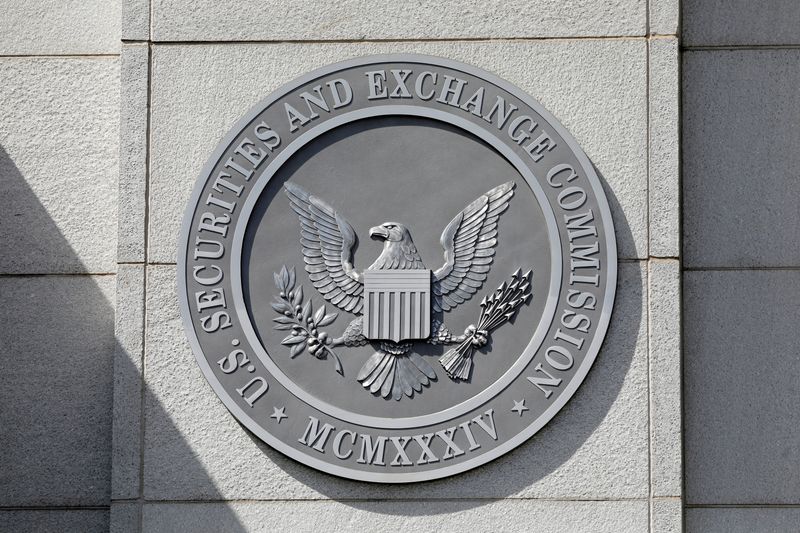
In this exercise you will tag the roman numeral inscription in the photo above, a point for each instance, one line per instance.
(393, 451)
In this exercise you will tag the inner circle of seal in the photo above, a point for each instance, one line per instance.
(453, 411)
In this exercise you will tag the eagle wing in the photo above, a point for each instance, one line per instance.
(327, 240)
(469, 241)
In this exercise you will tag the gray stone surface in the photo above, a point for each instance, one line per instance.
(740, 159)
(128, 359)
(63, 27)
(664, 212)
(595, 88)
(58, 164)
(125, 517)
(401, 517)
(666, 473)
(595, 448)
(742, 387)
(135, 20)
(664, 16)
(666, 516)
(248, 20)
(134, 72)
(740, 22)
(747, 520)
(57, 345)
(54, 521)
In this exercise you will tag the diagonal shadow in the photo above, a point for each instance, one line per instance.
(63, 371)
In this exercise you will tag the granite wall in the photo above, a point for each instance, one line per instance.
(108, 423)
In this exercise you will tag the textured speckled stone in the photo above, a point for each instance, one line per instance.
(666, 516)
(506, 516)
(134, 66)
(741, 198)
(666, 477)
(57, 346)
(135, 20)
(59, 121)
(746, 520)
(742, 387)
(595, 88)
(125, 517)
(251, 20)
(664, 16)
(740, 22)
(128, 358)
(664, 148)
(49, 27)
(54, 521)
(595, 448)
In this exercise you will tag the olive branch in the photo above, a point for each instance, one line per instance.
(302, 320)
(496, 309)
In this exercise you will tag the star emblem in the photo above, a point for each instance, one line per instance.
(278, 414)
(519, 407)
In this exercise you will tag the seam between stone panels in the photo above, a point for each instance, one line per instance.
(396, 500)
(143, 390)
(735, 47)
(59, 56)
(53, 274)
(743, 506)
(742, 268)
(403, 40)
(54, 508)
(647, 93)
(682, 310)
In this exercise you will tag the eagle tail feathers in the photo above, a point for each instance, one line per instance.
(395, 371)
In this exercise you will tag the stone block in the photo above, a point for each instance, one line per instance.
(58, 345)
(125, 517)
(54, 521)
(595, 88)
(135, 20)
(128, 359)
(742, 387)
(740, 22)
(664, 146)
(666, 515)
(59, 27)
(740, 158)
(308, 20)
(59, 120)
(742, 520)
(666, 472)
(134, 96)
(664, 17)
(595, 448)
(428, 516)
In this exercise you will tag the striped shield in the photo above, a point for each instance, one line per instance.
(397, 304)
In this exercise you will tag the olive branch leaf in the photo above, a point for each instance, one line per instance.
(301, 320)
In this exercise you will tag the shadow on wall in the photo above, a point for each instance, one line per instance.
(58, 347)
(56, 399)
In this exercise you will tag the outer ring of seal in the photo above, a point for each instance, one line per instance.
(505, 447)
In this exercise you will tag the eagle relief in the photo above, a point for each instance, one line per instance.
(396, 268)
(398, 300)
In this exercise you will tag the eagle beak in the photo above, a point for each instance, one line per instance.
(378, 232)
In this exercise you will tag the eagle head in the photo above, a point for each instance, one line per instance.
(390, 232)
(398, 247)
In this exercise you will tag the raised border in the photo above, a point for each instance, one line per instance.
(549, 413)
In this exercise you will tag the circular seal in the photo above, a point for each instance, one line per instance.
(396, 268)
